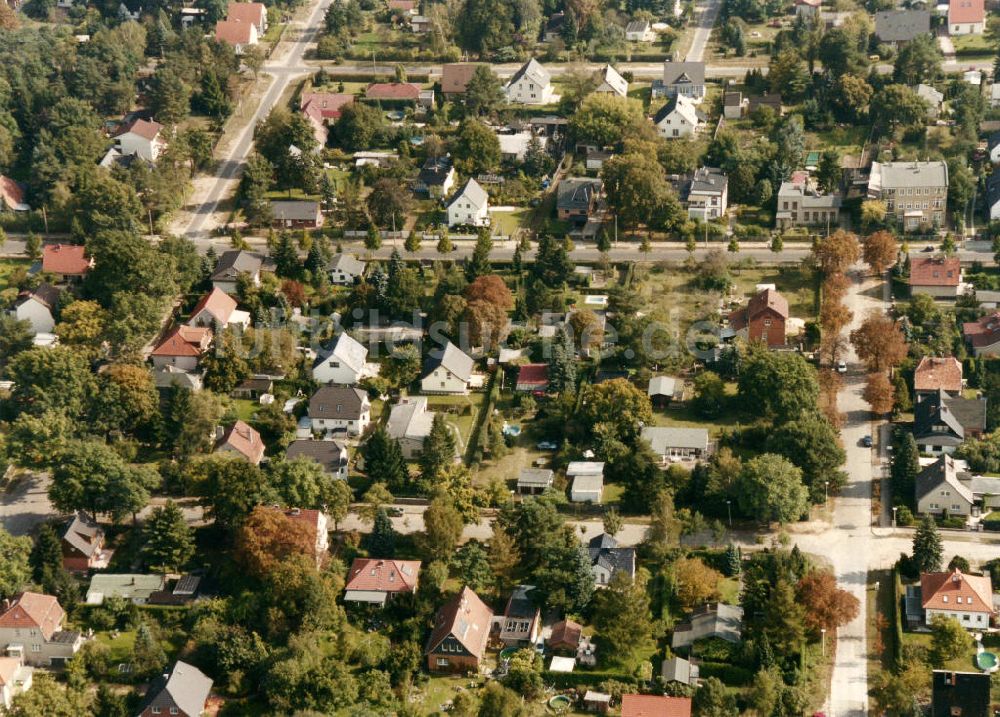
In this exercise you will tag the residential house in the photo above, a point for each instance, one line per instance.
(436, 178)
(420, 24)
(522, 619)
(967, 598)
(66, 261)
(447, 371)
(763, 319)
(715, 620)
(802, 204)
(231, 264)
(662, 390)
(143, 138)
(185, 689)
(733, 105)
(530, 85)
(339, 408)
(940, 490)
(533, 378)
(993, 191)
(376, 581)
(254, 13)
(461, 631)
(455, 77)
(933, 98)
(217, 309)
(767, 102)
(83, 545)
(172, 377)
(607, 559)
(677, 669)
(655, 706)
(960, 694)
(409, 424)
(938, 276)
(807, 8)
(587, 481)
(254, 388)
(240, 35)
(705, 193)
(323, 109)
(576, 198)
(534, 481)
(36, 308)
(966, 17)
(182, 348)
(639, 31)
(136, 588)
(941, 422)
(897, 26)
(393, 94)
(610, 82)
(31, 628)
(240, 438)
(935, 373)
(673, 444)
(296, 214)
(345, 269)
(681, 78)
(344, 363)
(317, 523)
(514, 146)
(680, 117)
(565, 637)
(983, 335)
(597, 702)
(15, 679)
(915, 192)
(12, 195)
(331, 455)
(470, 206)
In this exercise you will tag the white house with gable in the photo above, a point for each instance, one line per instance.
(449, 372)
(469, 206)
(343, 364)
(678, 118)
(344, 269)
(531, 85)
(36, 308)
(610, 82)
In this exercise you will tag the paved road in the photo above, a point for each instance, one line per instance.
(703, 30)
(25, 503)
(197, 220)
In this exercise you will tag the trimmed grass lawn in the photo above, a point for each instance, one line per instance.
(972, 45)
(245, 409)
(454, 413)
(506, 223)
(684, 416)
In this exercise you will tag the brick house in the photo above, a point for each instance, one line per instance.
(461, 631)
(936, 276)
(763, 319)
(83, 545)
(377, 581)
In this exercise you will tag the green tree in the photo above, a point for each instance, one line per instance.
(813, 444)
(770, 488)
(388, 203)
(479, 264)
(381, 542)
(709, 394)
(90, 475)
(605, 119)
(928, 550)
(472, 562)
(949, 640)
(169, 540)
(384, 462)
(905, 465)
(713, 699)
(475, 148)
(15, 569)
(148, 657)
(170, 96)
(46, 554)
(622, 617)
(781, 385)
(483, 92)
(48, 698)
(897, 106)
(230, 487)
(438, 451)
(54, 379)
(359, 126)
(16, 335)
(258, 176)
(442, 528)
(917, 61)
(784, 619)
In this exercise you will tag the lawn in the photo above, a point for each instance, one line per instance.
(845, 140)
(454, 409)
(684, 416)
(245, 409)
(506, 223)
(972, 46)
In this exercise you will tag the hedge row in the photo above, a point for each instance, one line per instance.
(732, 675)
(566, 680)
(897, 618)
(334, 76)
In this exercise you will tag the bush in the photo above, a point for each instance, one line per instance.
(732, 675)
(715, 650)
(566, 680)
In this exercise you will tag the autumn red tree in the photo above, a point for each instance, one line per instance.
(879, 251)
(829, 388)
(491, 289)
(487, 322)
(837, 252)
(879, 342)
(879, 392)
(827, 606)
(835, 286)
(294, 291)
(268, 537)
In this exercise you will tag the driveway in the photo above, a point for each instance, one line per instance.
(25, 503)
(703, 30)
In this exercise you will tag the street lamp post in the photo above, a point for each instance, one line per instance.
(823, 633)
(894, 509)
(826, 492)
(729, 511)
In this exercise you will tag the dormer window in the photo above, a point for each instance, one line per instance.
(944, 598)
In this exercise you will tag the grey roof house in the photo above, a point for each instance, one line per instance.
(533, 481)
(607, 559)
(131, 586)
(235, 262)
(576, 198)
(681, 78)
(450, 371)
(345, 268)
(894, 26)
(330, 454)
(719, 620)
(184, 691)
(296, 213)
(409, 424)
(673, 444)
(677, 669)
(941, 422)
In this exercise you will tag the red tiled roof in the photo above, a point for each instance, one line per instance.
(386, 576)
(234, 32)
(324, 105)
(467, 619)
(933, 373)
(956, 591)
(147, 129)
(392, 91)
(655, 706)
(533, 374)
(11, 192)
(455, 76)
(65, 259)
(984, 332)
(254, 12)
(33, 610)
(565, 633)
(184, 341)
(935, 271)
(968, 11)
(218, 303)
(767, 299)
(244, 440)
(303, 515)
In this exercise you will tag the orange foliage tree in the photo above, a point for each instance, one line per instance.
(268, 537)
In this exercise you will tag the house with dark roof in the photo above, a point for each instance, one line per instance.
(521, 623)
(243, 440)
(436, 177)
(942, 422)
(607, 559)
(533, 378)
(455, 77)
(937, 373)
(335, 409)
(83, 545)
(681, 78)
(330, 454)
(296, 214)
(183, 691)
(448, 370)
(937, 276)
(733, 105)
(231, 264)
(345, 269)
(763, 319)
(713, 620)
(376, 581)
(36, 308)
(461, 631)
(960, 694)
(704, 193)
(534, 481)
(945, 487)
(767, 101)
(253, 388)
(639, 31)
(576, 198)
(31, 627)
(676, 444)
(896, 26)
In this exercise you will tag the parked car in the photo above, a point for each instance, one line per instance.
(841, 367)
(866, 442)
(394, 511)
(547, 446)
